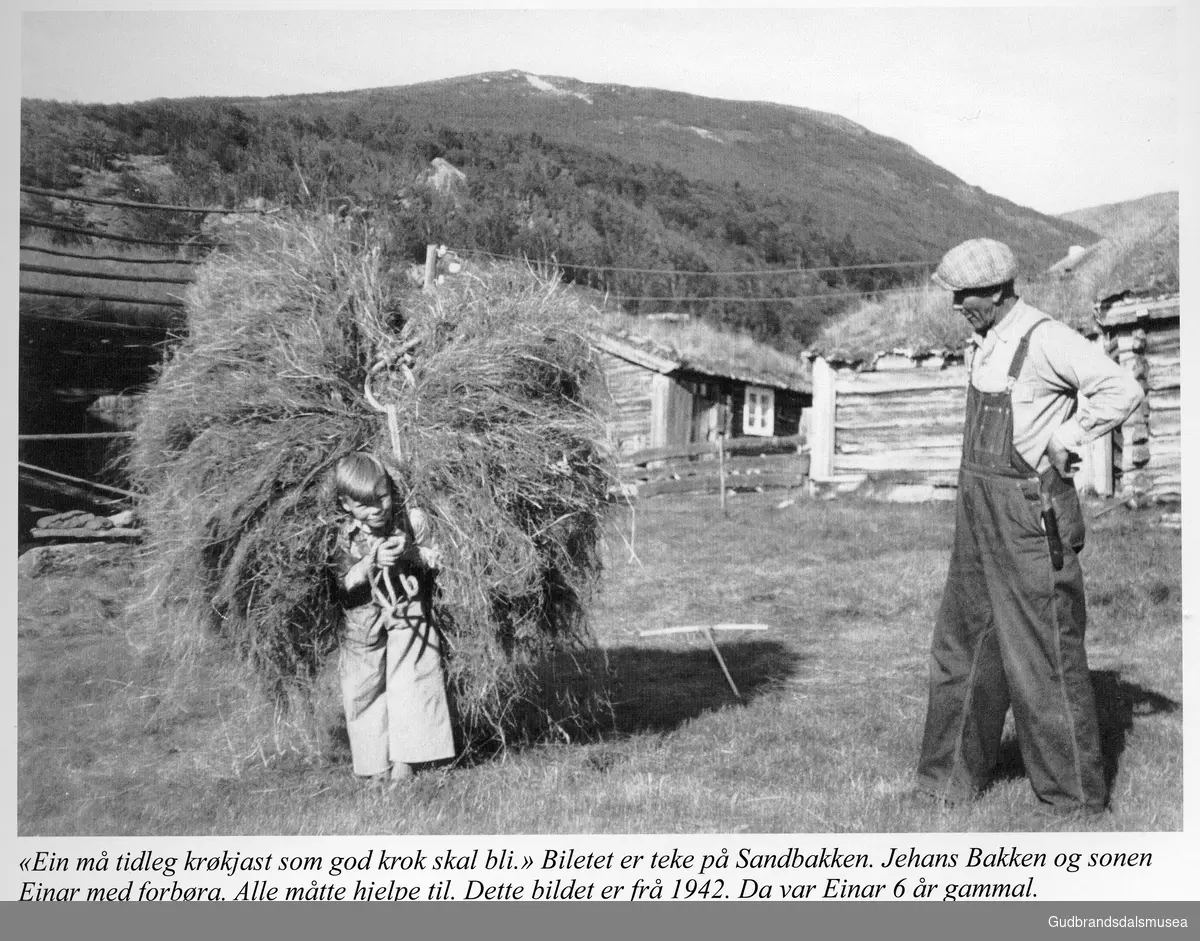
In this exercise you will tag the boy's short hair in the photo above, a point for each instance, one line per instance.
(362, 477)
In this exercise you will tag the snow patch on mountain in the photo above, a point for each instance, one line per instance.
(542, 85)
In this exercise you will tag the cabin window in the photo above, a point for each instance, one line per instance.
(758, 417)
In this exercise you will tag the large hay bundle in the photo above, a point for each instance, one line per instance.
(493, 386)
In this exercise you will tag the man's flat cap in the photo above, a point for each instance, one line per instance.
(978, 263)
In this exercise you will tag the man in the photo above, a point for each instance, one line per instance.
(1010, 630)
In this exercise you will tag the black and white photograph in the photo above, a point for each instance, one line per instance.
(611, 421)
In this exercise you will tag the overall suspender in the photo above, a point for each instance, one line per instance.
(987, 437)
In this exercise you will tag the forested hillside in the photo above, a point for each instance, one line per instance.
(598, 178)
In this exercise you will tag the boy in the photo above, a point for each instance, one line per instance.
(393, 687)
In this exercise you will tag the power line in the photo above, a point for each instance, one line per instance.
(866, 266)
(754, 299)
(738, 299)
(704, 274)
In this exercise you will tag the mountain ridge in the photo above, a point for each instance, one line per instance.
(648, 124)
(603, 177)
(1147, 212)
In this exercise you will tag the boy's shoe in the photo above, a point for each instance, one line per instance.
(402, 773)
(376, 781)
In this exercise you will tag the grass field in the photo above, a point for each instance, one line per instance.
(824, 741)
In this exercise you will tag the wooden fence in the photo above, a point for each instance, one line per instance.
(717, 466)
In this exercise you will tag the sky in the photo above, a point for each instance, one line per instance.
(1055, 108)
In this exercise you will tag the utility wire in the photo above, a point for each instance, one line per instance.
(754, 299)
(705, 274)
(739, 299)
(718, 274)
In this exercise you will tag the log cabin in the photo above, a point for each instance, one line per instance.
(664, 398)
(890, 427)
(1142, 332)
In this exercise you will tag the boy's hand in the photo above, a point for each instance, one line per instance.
(431, 556)
(389, 551)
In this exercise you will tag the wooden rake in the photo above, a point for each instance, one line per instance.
(708, 632)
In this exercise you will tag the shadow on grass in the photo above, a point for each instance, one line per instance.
(651, 690)
(1117, 702)
(659, 690)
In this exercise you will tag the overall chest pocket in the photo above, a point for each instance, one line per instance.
(992, 431)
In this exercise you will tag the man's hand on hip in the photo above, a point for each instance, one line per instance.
(1065, 461)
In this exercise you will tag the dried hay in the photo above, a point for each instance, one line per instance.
(494, 388)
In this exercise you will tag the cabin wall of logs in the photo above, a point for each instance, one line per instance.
(893, 431)
(676, 428)
(1143, 335)
(632, 391)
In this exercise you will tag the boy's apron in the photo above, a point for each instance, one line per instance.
(1010, 629)
(390, 667)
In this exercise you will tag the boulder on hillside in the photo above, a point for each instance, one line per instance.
(444, 177)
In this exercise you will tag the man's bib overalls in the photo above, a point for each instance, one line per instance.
(1010, 630)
